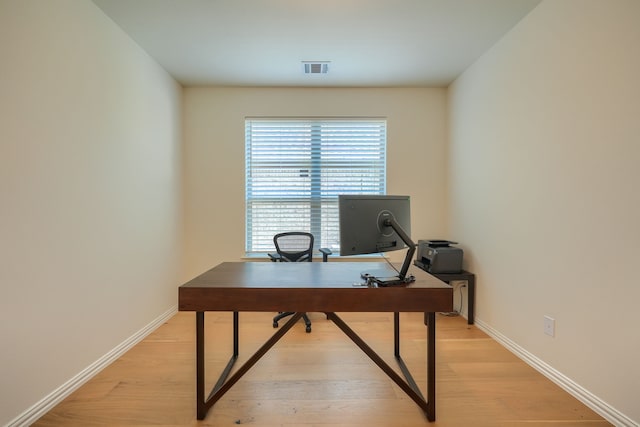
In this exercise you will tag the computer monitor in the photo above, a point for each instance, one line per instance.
(373, 224)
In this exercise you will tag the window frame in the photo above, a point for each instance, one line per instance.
(318, 190)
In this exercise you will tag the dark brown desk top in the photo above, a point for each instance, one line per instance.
(308, 286)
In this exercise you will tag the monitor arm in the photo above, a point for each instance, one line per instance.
(391, 222)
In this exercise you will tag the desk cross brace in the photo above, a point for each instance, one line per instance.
(409, 386)
(223, 384)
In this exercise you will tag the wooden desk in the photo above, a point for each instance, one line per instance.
(310, 287)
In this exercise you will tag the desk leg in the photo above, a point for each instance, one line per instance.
(430, 321)
(396, 334)
(409, 386)
(201, 410)
(471, 294)
(202, 405)
(224, 383)
(429, 405)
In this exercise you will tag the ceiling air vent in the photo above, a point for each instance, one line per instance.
(316, 67)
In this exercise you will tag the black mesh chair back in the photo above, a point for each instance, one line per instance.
(294, 246)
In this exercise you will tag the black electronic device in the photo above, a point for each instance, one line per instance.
(438, 256)
(373, 224)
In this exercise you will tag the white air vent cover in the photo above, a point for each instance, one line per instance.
(316, 67)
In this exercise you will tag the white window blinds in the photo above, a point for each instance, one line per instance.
(296, 168)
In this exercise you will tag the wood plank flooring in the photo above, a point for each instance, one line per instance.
(320, 379)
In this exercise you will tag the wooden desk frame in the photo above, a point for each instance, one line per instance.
(408, 385)
(216, 290)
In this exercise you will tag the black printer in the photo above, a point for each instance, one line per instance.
(438, 256)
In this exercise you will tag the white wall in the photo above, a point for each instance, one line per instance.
(542, 184)
(544, 189)
(90, 186)
(214, 140)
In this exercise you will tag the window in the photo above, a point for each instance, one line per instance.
(295, 169)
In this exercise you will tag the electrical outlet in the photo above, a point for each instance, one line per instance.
(550, 326)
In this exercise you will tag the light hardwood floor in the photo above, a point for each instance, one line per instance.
(320, 379)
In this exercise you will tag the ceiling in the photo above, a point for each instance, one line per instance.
(369, 43)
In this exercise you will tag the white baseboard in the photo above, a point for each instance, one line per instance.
(605, 410)
(43, 406)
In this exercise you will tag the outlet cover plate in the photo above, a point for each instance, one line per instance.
(550, 326)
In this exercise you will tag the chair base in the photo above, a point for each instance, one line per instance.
(280, 316)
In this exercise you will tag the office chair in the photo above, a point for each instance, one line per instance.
(295, 246)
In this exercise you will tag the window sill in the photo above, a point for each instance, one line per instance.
(318, 257)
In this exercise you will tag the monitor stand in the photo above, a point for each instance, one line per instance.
(384, 282)
(381, 277)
